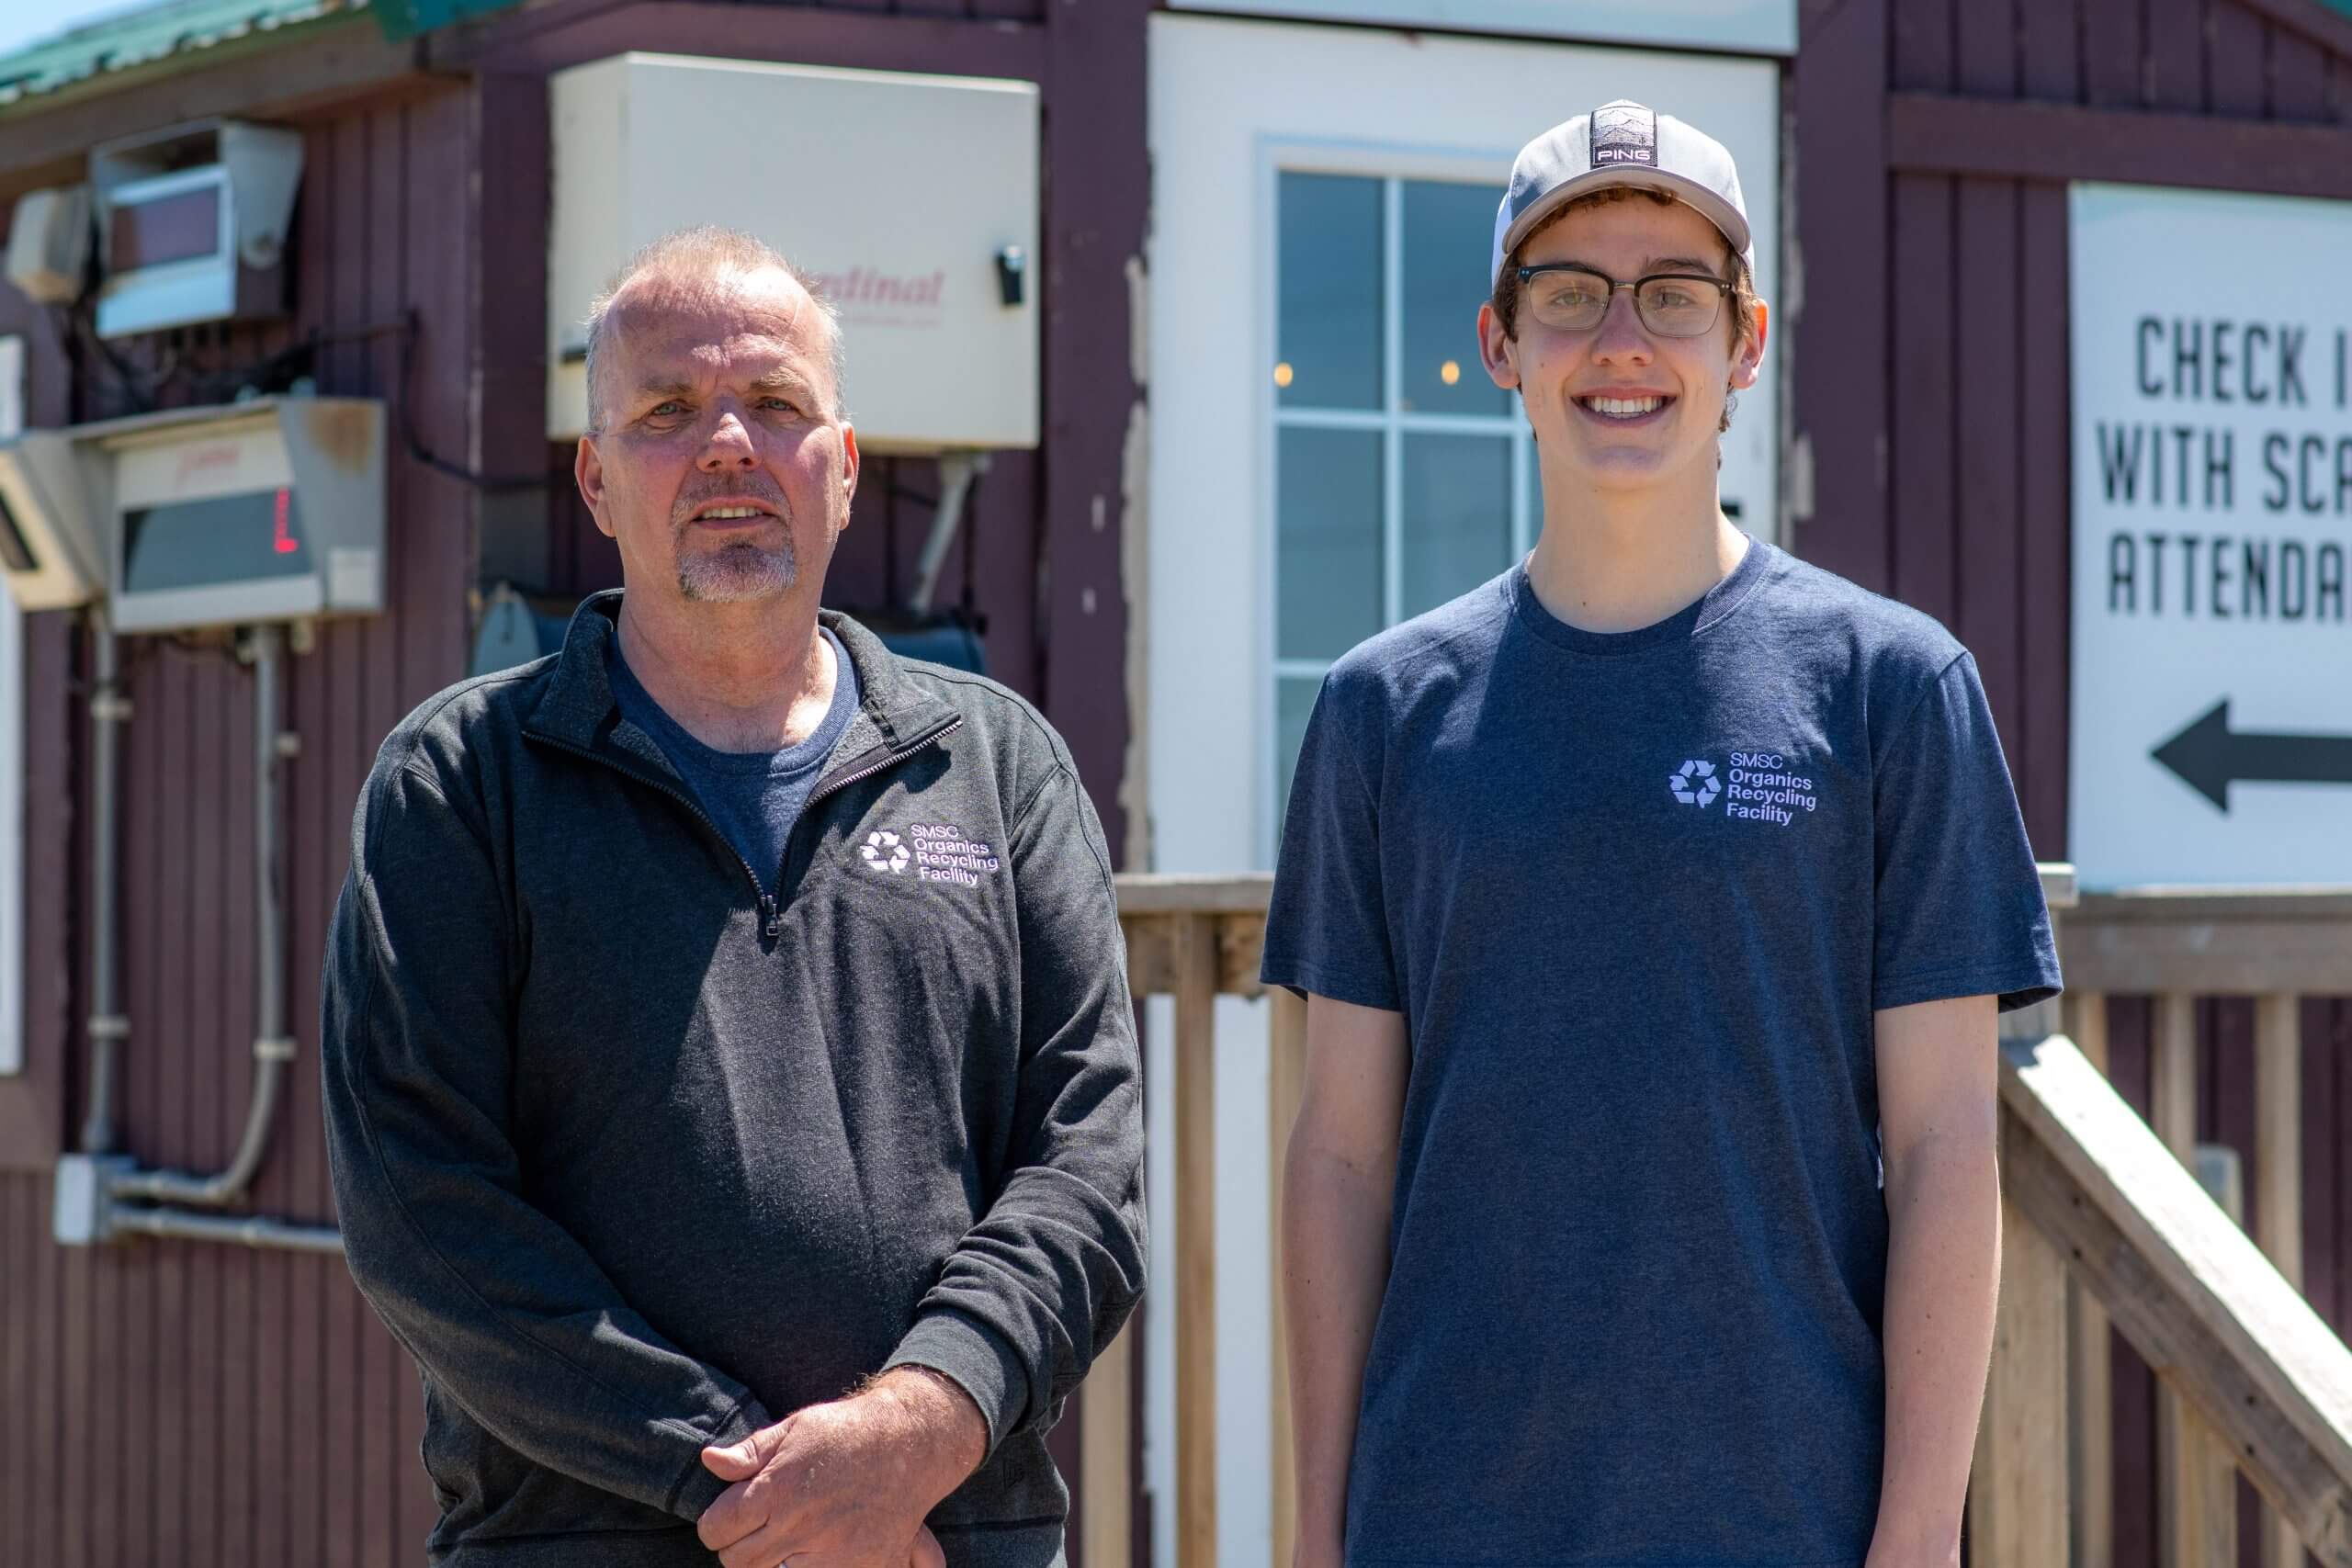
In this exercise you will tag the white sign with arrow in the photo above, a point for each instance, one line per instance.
(2212, 340)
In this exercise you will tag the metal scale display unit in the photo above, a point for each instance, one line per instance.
(259, 515)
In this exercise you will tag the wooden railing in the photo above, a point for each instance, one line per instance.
(1196, 939)
(2103, 1222)
(2255, 1382)
(2176, 946)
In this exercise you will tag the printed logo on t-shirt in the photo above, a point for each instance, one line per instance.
(940, 852)
(1694, 784)
(1758, 786)
(883, 852)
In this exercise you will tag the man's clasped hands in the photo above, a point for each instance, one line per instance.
(847, 1484)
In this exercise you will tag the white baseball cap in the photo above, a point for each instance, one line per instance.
(1622, 143)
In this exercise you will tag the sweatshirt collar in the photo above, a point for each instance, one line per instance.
(577, 707)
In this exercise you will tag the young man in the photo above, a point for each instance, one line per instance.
(731, 1086)
(1654, 903)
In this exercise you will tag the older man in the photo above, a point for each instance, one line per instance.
(731, 1076)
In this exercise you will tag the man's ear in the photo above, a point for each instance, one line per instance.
(849, 470)
(588, 473)
(1496, 349)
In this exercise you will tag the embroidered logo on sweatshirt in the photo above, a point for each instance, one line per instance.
(939, 852)
(884, 852)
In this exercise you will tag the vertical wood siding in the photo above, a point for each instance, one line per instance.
(201, 1404)
(1950, 493)
(1931, 382)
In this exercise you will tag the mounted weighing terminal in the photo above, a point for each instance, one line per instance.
(192, 224)
(269, 510)
(248, 514)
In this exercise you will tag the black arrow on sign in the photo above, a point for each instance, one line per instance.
(2209, 755)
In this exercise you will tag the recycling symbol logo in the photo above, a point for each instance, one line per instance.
(883, 852)
(1695, 784)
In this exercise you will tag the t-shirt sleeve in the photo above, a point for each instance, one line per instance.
(1326, 929)
(1959, 911)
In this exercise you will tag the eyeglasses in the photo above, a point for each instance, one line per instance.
(1569, 297)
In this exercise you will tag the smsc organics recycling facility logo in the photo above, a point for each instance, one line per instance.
(1694, 784)
(938, 852)
(883, 852)
(1759, 787)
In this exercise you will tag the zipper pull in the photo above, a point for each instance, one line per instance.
(771, 917)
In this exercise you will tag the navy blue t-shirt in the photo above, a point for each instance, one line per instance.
(754, 796)
(1637, 896)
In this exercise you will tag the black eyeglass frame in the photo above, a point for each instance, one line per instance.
(1723, 288)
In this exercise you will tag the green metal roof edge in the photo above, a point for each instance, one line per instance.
(166, 36)
(404, 19)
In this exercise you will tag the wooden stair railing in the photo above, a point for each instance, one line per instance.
(2273, 946)
(2088, 1187)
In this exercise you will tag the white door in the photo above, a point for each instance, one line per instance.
(1327, 458)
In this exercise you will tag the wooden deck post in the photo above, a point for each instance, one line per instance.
(2279, 1184)
(1106, 1466)
(2018, 1514)
(1195, 1058)
(1285, 1085)
(2199, 1522)
(2090, 1357)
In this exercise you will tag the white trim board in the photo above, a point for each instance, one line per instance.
(1744, 26)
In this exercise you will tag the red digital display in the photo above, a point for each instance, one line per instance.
(224, 538)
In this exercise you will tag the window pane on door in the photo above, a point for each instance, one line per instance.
(1448, 241)
(1326, 531)
(1329, 329)
(1457, 516)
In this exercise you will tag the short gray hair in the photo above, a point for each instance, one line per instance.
(710, 252)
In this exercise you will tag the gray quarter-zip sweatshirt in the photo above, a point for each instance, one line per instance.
(635, 1157)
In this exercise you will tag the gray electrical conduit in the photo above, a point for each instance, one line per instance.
(272, 1047)
(109, 709)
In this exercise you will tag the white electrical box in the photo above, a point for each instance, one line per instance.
(192, 224)
(913, 199)
(49, 243)
(262, 511)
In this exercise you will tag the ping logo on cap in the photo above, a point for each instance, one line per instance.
(1623, 132)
